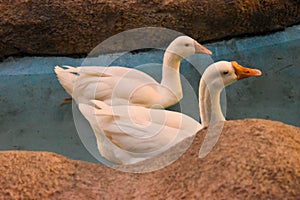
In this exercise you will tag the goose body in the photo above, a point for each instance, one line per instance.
(118, 85)
(127, 134)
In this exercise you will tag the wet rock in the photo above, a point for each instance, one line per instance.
(76, 27)
(253, 159)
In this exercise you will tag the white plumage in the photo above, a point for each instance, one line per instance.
(127, 134)
(122, 86)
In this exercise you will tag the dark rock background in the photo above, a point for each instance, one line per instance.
(253, 159)
(36, 27)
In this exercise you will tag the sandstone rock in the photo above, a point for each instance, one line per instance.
(254, 159)
(76, 27)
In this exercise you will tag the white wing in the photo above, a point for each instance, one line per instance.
(141, 131)
(113, 85)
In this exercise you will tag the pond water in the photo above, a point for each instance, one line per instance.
(31, 117)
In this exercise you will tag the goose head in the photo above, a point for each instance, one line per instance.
(184, 46)
(224, 73)
(214, 79)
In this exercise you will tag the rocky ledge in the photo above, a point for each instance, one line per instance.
(76, 27)
(253, 159)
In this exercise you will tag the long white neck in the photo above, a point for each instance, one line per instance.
(171, 73)
(209, 104)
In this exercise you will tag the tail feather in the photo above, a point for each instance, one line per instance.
(66, 77)
(71, 69)
(100, 104)
(90, 112)
(102, 108)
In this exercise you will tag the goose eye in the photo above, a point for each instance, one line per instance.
(226, 72)
(186, 45)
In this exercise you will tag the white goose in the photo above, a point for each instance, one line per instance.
(123, 86)
(128, 134)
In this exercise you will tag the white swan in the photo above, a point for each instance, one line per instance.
(123, 86)
(128, 134)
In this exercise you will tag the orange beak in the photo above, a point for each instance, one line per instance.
(201, 49)
(244, 72)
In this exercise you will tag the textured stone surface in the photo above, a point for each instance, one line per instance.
(254, 159)
(76, 27)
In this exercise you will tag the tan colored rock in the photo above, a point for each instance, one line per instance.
(76, 27)
(254, 159)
